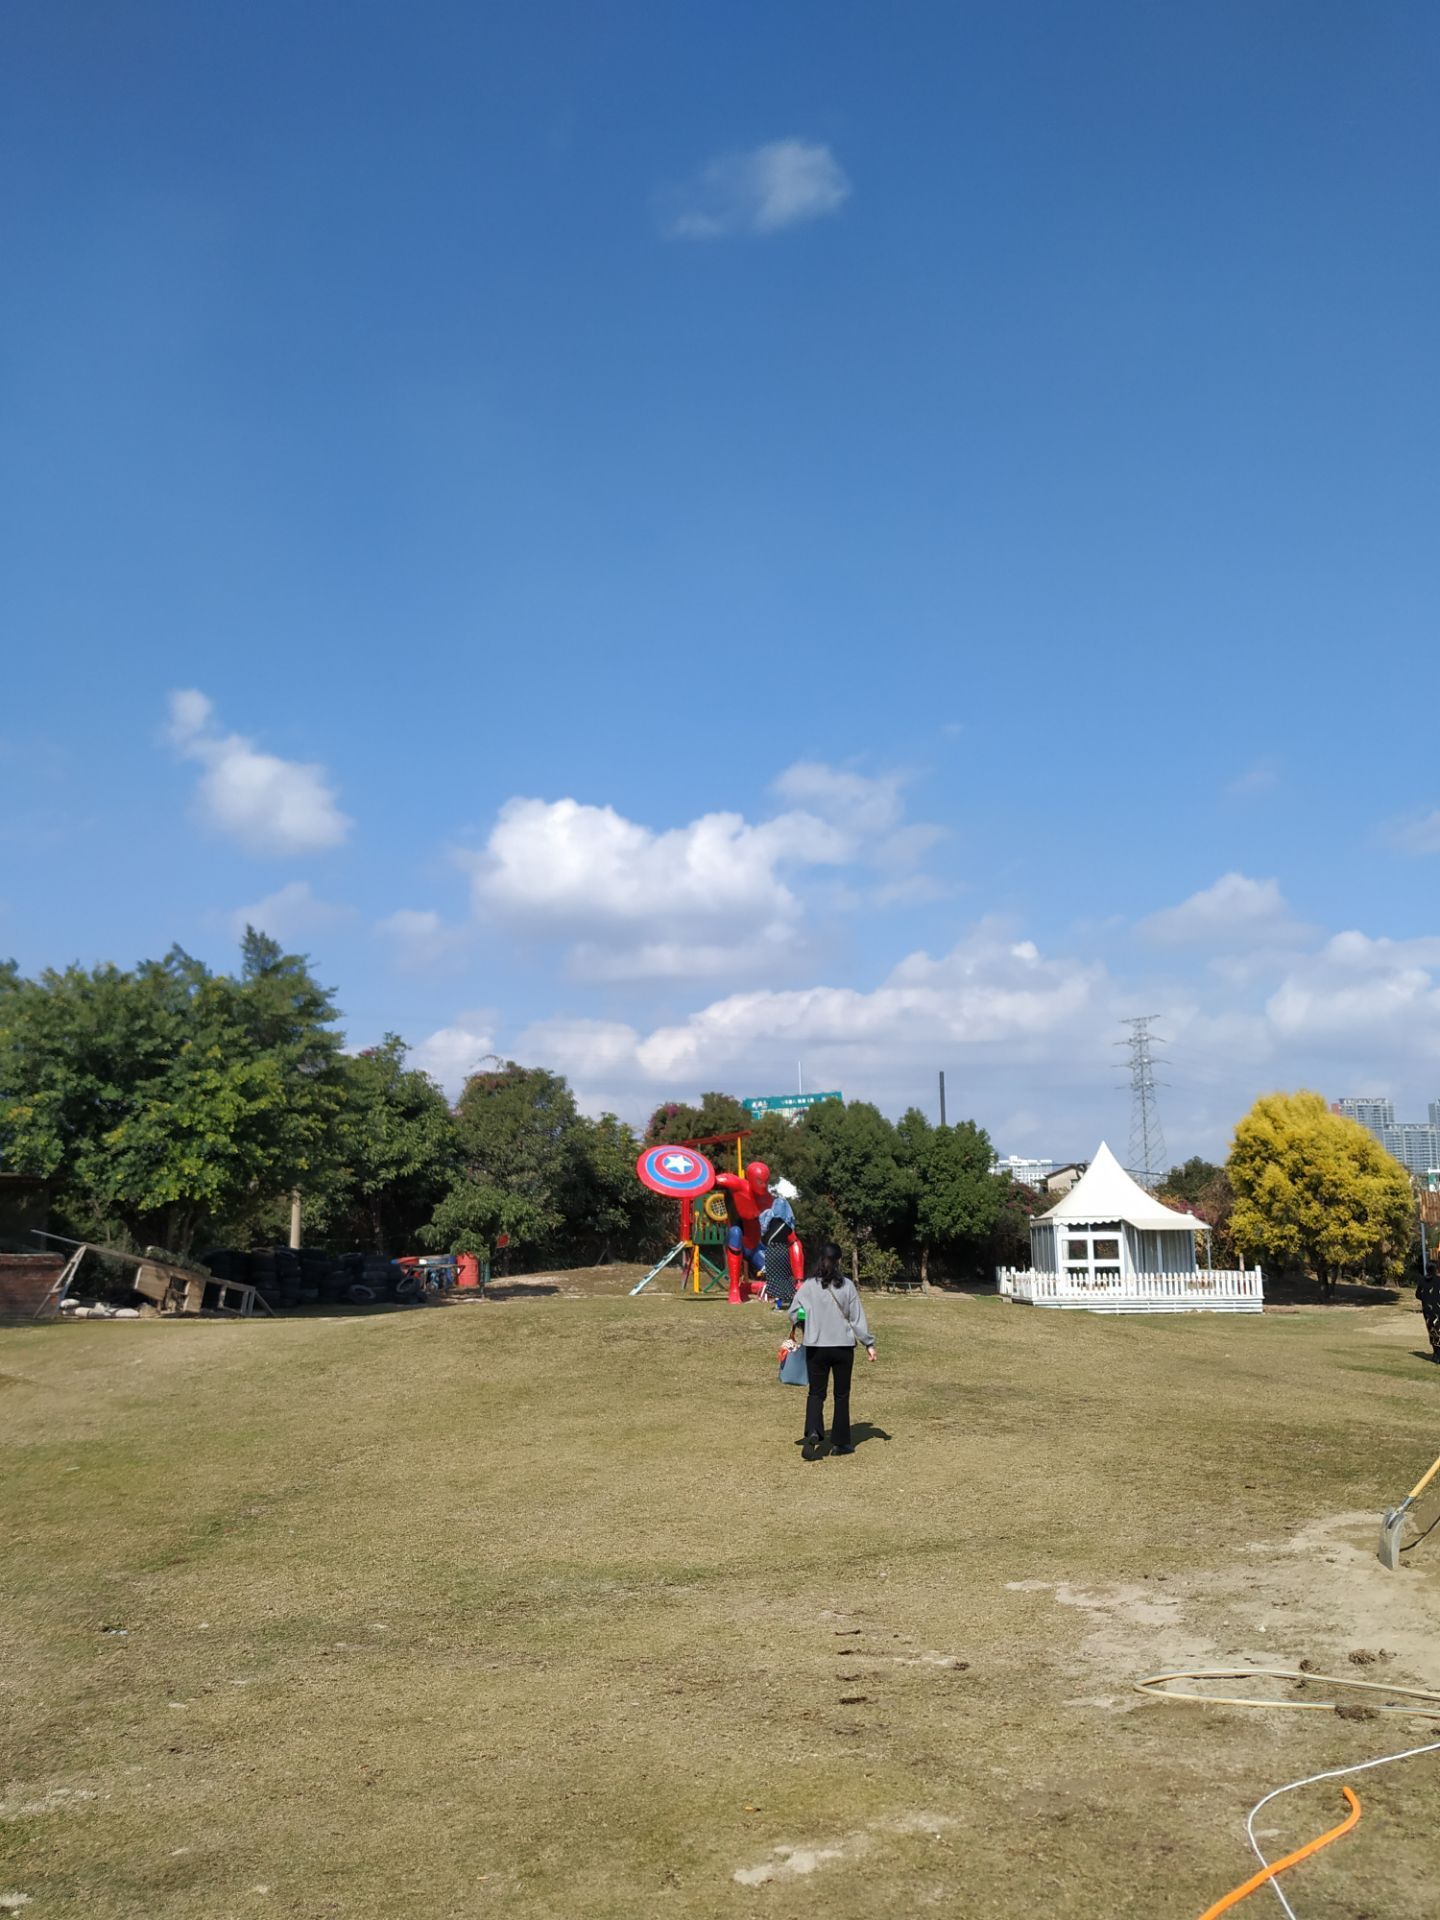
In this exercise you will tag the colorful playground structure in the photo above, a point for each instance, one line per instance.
(737, 1212)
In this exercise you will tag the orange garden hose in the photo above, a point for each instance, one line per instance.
(1234, 1898)
(1158, 1687)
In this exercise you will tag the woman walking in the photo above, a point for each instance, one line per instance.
(830, 1320)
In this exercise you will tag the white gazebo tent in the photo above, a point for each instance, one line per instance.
(1109, 1245)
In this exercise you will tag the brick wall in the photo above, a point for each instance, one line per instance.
(25, 1279)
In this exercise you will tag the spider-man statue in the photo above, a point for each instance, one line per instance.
(748, 1195)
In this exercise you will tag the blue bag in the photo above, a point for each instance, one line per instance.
(793, 1370)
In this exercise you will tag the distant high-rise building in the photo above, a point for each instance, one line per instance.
(1030, 1173)
(1414, 1143)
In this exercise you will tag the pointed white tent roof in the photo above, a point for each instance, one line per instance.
(1105, 1191)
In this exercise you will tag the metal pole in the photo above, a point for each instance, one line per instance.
(295, 1218)
(942, 1096)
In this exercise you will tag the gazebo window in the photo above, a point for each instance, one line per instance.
(1107, 1250)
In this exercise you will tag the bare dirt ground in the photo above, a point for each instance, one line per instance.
(531, 1608)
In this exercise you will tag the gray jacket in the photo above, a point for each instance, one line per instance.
(834, 1316)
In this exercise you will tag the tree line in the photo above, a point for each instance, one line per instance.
(170, 1105)
(174, 1106)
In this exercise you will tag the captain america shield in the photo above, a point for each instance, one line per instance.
(679, 1172)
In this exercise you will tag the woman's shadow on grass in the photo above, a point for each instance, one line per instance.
(860, 1432)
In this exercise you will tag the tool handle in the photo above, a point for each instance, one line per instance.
(1423, 1482)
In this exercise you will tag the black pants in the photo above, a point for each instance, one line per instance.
(824, 1364)
(1428, 1295)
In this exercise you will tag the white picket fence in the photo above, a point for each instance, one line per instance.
(1210, 1291)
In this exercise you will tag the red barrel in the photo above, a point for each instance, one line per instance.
(467, 1270)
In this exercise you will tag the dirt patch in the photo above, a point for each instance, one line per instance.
(20, 1805)
(1319, 1598)
(795, 1863)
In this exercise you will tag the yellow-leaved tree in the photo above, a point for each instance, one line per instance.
(1316, 1190)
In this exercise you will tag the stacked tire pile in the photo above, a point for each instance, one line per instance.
(288, 1277)
(366, 1277)
(277, 1276)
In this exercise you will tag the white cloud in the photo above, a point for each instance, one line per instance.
(1235, 912)
(774, 947)
(564, 861)
(992, 999)
(1375, 997)
(421, 941)
(451, 1054)
(592, 1048)
(907, 847)
(269, 805)
(1417, 833)
(292, 912)
(719, 897)
(907, 890)
(1260, 777)
(764, 190)
(700, 899)
(864, 803)
(870, 809)
(411, 925)
(1028, 1039)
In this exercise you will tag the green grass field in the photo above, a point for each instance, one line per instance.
(530, 1607)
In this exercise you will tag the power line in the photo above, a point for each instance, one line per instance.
(1147, 1138)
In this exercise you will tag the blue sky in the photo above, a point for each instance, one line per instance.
(674, 542)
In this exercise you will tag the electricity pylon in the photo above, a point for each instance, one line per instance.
(1147, 1140)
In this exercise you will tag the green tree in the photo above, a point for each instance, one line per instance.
(1185, 1184)
(1202, 1188)
(914, 1138)
(858, 1174)
(1315, 1190)
(1009, 1244)
(160, 1100)
(521, 1154)
(682, 1120)
(611, 1216)
(397, 1152)
(960, 1200)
